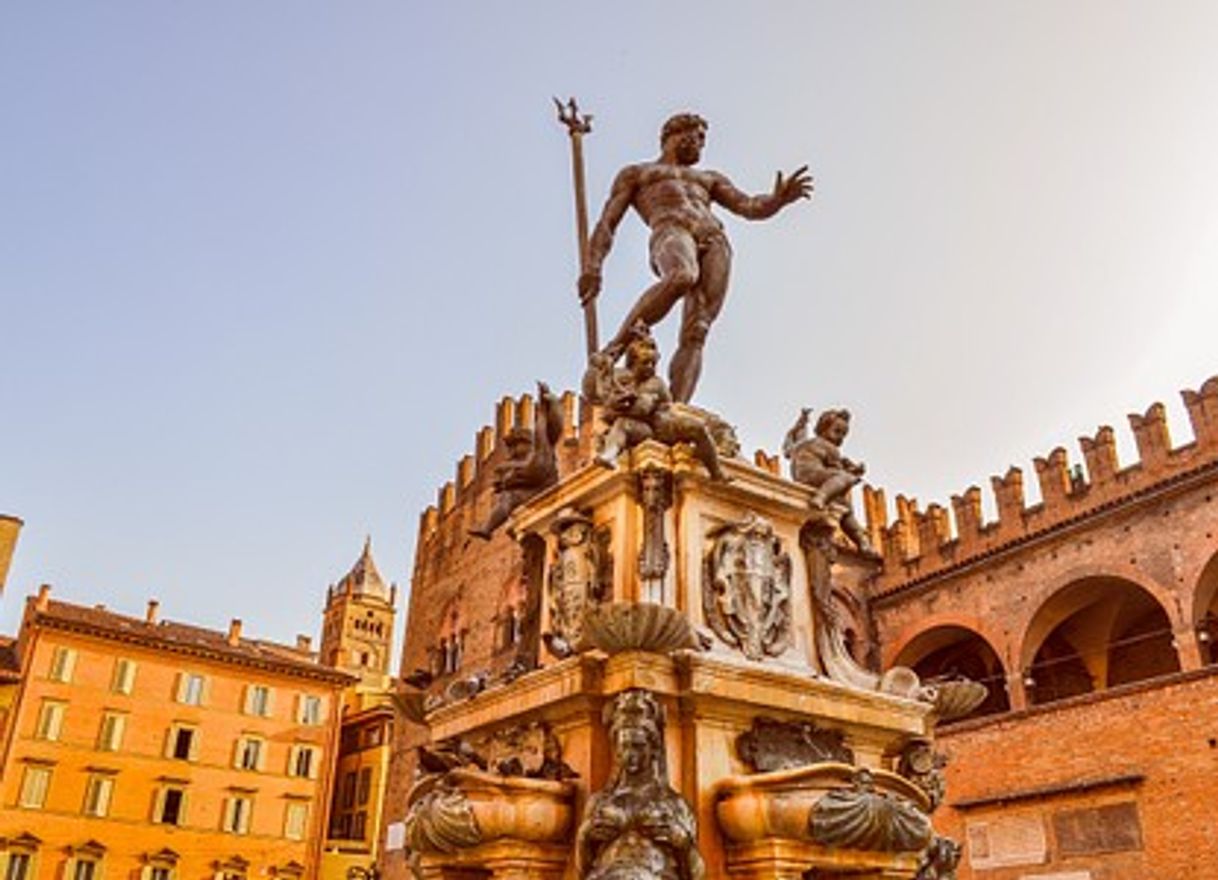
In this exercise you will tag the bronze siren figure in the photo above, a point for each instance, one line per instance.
(689, 250)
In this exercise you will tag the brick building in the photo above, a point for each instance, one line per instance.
(143, 747)
(1091, 615)
(357, 638)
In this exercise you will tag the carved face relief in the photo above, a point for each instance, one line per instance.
(746, 594)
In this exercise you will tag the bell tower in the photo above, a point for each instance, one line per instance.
(357, 629)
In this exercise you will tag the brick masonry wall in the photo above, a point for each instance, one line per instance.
(1161, 737)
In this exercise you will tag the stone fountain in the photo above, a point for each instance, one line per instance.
(691, 706)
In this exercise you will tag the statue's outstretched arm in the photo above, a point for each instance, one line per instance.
(786, 190)
(601, 240)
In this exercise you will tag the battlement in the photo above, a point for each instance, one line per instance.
(919, 544)
(472, 481)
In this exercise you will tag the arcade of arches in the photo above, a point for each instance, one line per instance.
(1092, 634)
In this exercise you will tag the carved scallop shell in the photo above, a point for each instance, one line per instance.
(956, 698)
(642, 626)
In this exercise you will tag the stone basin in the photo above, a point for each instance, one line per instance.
(515, 807)
(638, 626)
(765, 806)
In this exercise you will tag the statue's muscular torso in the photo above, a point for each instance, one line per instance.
(667, 196)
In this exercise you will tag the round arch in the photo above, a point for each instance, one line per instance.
(953, 649)
(1204, 614)
(1094, 632)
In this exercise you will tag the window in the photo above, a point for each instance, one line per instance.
(183, 742)
(295, 820)
(349, 790)
(365, 785)
(84, 869)
(358, 825)
(171, 806)
(309, 710)
(97, 795)
(302, 762)
(237, 813)
(250, 753)
(191, 688)
(19, 865)
(123, 681)
(50, 720)
(63, 663)
(34, 785)
(110, 737)
(258, 700)
(160, 872)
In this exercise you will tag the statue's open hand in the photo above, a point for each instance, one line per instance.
(797, 186)
(589, 286)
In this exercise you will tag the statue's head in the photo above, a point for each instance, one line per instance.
(833, 425)
(642, 355)
(572, 527)
(636, 730)
(684, 136)
(519, 442)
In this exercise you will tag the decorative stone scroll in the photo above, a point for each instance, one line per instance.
(637, 827)
(860, 817)
(784, 745)
(746, 595)
(655, 496)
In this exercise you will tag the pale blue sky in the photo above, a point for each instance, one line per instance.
(265, 268)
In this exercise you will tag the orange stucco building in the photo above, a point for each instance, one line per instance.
(142, 748)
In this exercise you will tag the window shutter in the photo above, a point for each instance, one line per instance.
(247, 702)
(270, 702)
(180, 688)
(120, 727)
(54, 721)
(169, 738)
(293, 753)
(183, 810)
(314, 761)
(194, 744)
(238, 752)
(205, 692)
(158, 804)
(300, 708)
(263, 748)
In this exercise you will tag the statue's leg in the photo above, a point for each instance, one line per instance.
(833, 488)
(702, 305)
(674, 257)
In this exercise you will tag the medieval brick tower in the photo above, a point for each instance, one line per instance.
(357, 632)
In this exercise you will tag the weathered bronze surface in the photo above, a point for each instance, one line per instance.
(689, 249)
(923, 766)
(818, 462)
(940, 860)
(747, 594)
(575, 582)
(862, 817)
(638, 406)
(784, 745)
(637, 827)
(531, 464)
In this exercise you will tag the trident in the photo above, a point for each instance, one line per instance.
(577, 127)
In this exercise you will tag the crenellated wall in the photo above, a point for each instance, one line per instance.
(919, 544)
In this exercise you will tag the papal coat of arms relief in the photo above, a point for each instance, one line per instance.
(746, 595)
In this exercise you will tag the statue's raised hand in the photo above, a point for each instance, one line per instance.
(791, 189)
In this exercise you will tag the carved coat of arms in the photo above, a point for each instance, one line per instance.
(576, 581)
(746, 595)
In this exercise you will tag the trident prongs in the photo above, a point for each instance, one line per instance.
(569, 115)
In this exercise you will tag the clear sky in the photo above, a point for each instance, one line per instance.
(265, 267)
